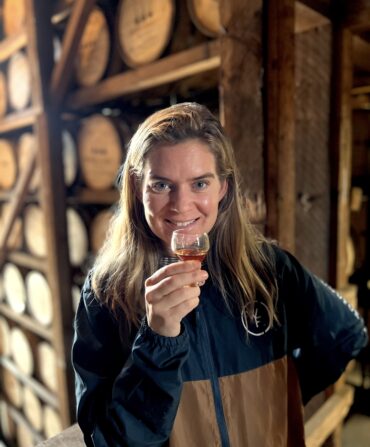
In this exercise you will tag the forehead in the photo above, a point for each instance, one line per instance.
(190, 155)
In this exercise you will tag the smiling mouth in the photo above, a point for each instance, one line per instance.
(182, 224)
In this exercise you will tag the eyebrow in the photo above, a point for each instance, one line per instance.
(200, 177)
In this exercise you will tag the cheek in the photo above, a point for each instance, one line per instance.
(209, 204)
(153, 204)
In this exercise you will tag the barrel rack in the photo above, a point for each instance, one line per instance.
(270, 136)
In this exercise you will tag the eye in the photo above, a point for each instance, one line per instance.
(160, 187)
(200, 185)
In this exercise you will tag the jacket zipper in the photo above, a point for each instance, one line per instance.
(220, 416)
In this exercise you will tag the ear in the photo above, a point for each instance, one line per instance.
(136, 187)
(223, 190)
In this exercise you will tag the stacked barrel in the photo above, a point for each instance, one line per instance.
(118, 37)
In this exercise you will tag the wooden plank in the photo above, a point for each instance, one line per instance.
(340, 154)
(361, 102)
(28, 261)
(196, 60)
(279, 133)
(241, 104)
(26, 322)
(307, 18)
(15, 205)
(42, 392)
(328, 417)
(52, 196)
(89, 196)
(11, 45)
(63, 71)
(361, 90)
(19, 120)
(19, 419)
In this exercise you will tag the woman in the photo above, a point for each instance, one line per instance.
(179, 354)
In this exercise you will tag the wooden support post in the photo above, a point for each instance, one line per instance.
(63, 71)
(48, 133)
(341, 153)
(241, 104)
(279, 132)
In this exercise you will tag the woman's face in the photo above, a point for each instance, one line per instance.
(181, 189)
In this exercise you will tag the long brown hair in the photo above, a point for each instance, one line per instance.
(238, 263)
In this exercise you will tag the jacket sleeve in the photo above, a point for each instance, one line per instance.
(324, 331)
(126, 396)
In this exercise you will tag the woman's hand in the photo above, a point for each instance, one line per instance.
(170, 294)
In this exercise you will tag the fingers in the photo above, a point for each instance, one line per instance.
(173, 269)
(173, 284)
(175, 298)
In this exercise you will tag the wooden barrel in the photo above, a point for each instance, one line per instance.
(15, 240)
(34, 230)
(8, 164)
(356, 198)
(77, 238)
(3, 95)
(2, 290)
(69, 158)
(351, 256)
(14, 16)
(24, 436)
(52, 423)
(205, 15)
(47, 365)
(144, 29)
(98, 229)
(349, 293)
(40, 303)
(32, 408)
(100, 151)
(19, 81)
(15, 290)
(7, 425)
(12, 388)
(21, 349)
(76, 295)
(4, 338)
(26, 147)
(94, 49)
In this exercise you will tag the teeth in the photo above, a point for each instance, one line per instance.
(183, 224)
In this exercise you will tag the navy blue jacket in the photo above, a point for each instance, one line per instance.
(213, 385)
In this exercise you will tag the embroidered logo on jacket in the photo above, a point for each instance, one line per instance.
(258, 324)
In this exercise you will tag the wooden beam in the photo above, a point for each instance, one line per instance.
(307, 18)
(196, 60)
(18, 120)
(25, 321)
(280, 118)
(12, 44)
(241, 102)
(340, 153)
(15, 205)
(63, 71)
(330, 415)
(52, 197)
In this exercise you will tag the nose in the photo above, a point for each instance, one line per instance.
(181, 200)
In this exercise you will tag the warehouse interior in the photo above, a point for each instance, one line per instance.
(290, 81)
